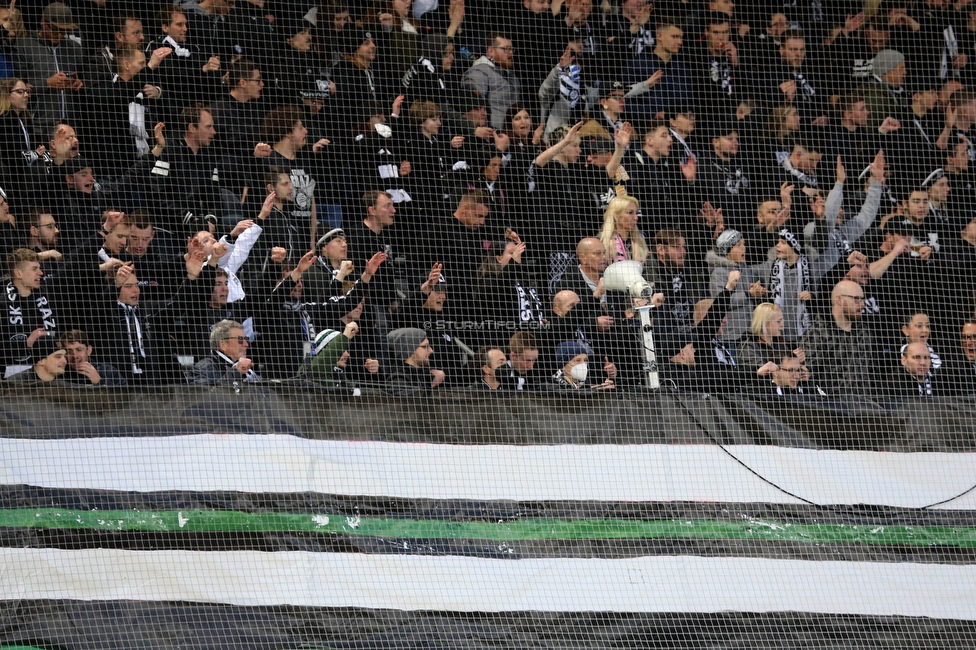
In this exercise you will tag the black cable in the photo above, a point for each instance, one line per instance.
(784, 490)
(939, 503)
(763, 478)
(740, 462)
(694, 419)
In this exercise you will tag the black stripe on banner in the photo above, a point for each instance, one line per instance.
(25, 496)
(74, 625)
(473, 418)
(608, 549)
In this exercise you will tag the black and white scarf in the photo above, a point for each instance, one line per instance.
(137, 348)
(735, 179)
(783, 158)
(777, 280)
(688, 153)
(723, 353)
(308, 327)
(841, 241)
(530, 305)
(805, 90)
(782, 391)
(569, 85)
(925, 386)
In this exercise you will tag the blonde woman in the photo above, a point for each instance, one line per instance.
(759, 354)
(12, 22)
(620, 236)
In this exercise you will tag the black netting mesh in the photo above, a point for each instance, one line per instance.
(488, 323)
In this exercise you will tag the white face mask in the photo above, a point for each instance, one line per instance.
(578, 372)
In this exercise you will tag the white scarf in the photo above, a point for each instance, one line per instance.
(250, 375)
(178, 49)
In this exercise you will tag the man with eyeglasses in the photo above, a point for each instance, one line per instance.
(786, 377)
(228, 363)
(492, 76)
(44, 237)
(669, 270)
(238, 118)
(840, 350)
(961, 367)
(410, 356)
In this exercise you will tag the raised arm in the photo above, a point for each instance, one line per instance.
(546, 156)
(621, 140)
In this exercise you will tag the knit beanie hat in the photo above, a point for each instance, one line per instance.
(404, 341)
(727, 241)
(569, 350)
(885, 61)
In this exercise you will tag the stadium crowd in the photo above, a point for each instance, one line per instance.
(423, 195)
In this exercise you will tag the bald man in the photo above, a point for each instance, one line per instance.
(914, 379)
(840, 350)
(564, 302)
(585, 281)
(569, 322)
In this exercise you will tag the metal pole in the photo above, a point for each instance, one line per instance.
(650, 359)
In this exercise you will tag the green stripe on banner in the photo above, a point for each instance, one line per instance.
(524, 529)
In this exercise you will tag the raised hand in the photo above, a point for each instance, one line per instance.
(373, 265)
(432, 278)
(519, 251)
(158, 134)
(567, 58)
(158, 55)
(889, 125)
(123, 272)
(241, 227)
(267, 206)
(397, 105)
(800, 354)
(621, 136)
(878, 167)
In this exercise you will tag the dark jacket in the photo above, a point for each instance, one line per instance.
(215, 370)
(110, 376)
(407, 380)
(841, 363)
